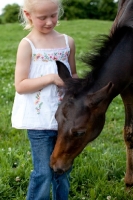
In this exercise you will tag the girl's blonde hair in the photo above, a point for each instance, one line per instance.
(28, 4)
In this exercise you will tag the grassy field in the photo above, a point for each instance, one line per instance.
(98, 172)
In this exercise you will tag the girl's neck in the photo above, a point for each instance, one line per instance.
(36, 33)
(47, 41)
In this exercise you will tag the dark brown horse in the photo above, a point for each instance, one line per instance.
(81, 115)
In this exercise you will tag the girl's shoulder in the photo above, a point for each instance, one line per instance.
(68, 39)
(24, 43)
(71, 42)
(27, 44)
(24, 48)
(63, 34)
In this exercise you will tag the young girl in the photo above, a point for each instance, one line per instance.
(37, 98)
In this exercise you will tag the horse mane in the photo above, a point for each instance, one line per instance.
(101, 51)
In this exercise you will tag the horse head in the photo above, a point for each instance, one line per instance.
(80, 118)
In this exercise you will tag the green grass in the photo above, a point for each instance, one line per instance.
(98, 172)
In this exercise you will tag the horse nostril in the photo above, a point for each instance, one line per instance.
(59, 171)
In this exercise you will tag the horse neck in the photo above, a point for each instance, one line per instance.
(118, 68)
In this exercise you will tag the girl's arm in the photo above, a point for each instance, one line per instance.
(22, 83)
(71, 58)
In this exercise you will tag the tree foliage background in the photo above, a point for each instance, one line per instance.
(90, 9)
(10, 13)
(74, 9)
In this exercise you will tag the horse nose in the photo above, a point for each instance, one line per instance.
(59, 171)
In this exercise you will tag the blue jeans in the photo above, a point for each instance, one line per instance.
(42, 144)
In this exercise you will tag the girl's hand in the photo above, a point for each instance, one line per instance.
(57, 80)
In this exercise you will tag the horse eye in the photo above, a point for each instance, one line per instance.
(78, 133)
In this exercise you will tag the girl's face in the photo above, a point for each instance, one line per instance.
(44, 16)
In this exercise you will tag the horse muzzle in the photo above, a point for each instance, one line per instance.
(59, 166)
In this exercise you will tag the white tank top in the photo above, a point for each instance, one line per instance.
(37, 110)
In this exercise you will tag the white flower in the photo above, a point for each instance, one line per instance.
(17, 178)
(28, 153)
(9, 149)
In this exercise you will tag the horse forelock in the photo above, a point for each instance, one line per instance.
(103, 48)
(74, 86)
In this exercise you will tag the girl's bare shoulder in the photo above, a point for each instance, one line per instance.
(24, 43)
(24, 49)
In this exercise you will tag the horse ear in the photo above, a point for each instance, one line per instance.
(124, 15)
(102, 96)
(120, 4)
(63, 71)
